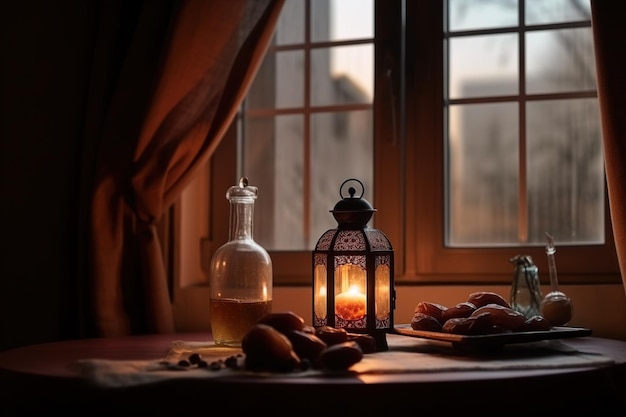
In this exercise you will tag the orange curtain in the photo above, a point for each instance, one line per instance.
(609, 34)
(185, 69)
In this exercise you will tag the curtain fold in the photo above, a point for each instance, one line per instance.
(609, 33)
(182, 76)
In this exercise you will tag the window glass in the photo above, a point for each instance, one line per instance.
(560, 60)
(483, 174)
(556, 11)
(290, 26)
(279, 82)
(289, 81)
(351, 75)
(340, 20)
(481, 14)
(485, 65)
(565, 171)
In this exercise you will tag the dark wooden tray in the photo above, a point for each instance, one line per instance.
(459, 340)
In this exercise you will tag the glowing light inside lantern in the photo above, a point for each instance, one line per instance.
(383, 307)
(320, 303)
(351, 304)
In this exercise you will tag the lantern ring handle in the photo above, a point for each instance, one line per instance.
(351, 190)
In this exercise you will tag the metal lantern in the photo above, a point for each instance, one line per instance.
(353, 273)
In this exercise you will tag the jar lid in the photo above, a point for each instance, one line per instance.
(242, 190)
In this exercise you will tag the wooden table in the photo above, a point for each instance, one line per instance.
(35, 380)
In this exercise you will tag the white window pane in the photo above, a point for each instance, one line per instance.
(481, 14)
(560, 60)
(557, 11)
(482, 66)
(342, 75)
(482, 191)
(565, 171)
(338, 20)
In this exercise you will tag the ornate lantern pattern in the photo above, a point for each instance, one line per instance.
(353, 273)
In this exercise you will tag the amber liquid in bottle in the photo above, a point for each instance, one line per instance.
(240, 273)
(232, 318)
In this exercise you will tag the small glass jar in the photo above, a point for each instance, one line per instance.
(240, 281)
(526, 288)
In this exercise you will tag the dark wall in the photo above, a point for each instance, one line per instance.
(45, 61)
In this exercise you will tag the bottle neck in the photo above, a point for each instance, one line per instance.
(241, 219)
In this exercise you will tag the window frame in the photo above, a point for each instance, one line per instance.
(409, 173)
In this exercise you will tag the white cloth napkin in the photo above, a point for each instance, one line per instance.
(405, 355)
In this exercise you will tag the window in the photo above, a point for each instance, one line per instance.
(513, 134)
(467, 165)
(523, 143)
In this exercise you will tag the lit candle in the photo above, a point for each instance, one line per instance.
(351, 305)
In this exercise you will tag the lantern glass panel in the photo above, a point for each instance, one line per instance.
(383, 296)
(320, 290)
(350, 291)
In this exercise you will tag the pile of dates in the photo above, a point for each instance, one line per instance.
(281, 342)
(482, 313)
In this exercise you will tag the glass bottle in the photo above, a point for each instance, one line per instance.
(526, 289)
(241, 277)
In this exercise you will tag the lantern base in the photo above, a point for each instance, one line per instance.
(381, 341)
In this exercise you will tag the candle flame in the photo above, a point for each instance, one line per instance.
(354, 290)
